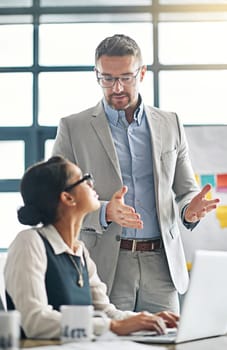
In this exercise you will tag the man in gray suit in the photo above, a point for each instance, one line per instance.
(139, 158)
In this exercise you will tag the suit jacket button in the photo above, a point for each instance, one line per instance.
(118, 238)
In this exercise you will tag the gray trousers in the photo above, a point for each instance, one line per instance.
(143, 282)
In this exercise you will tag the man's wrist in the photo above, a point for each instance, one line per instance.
(102, 217)
(187, 224)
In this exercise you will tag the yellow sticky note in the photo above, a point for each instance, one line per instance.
(208, 195)
(189, 265)
(197, 177)
(221, 213)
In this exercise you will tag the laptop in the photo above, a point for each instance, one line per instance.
(204, 308)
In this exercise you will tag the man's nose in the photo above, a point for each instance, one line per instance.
(117, 86)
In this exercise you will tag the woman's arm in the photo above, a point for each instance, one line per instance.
(25, 283)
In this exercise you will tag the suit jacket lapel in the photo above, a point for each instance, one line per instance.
(154, 123)
(102, 129)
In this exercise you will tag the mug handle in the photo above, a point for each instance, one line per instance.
(97, 313)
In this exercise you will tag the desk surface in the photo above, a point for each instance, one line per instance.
(219, 343)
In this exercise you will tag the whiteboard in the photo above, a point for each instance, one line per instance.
(208, 153)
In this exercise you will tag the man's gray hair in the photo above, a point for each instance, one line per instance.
(118, 45)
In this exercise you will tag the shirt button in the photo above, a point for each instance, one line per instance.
(118, 238)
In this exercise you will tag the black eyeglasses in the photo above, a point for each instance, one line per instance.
(107, 81)
(87, 177)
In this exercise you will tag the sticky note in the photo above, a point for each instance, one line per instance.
(197, 178)
(221, 213)
(207, 179)
(221, 182)
(189, 265)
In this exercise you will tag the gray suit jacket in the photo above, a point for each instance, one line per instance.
(85, 138)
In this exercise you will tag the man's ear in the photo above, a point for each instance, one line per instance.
(143, 72)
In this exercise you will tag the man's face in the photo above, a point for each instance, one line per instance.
(121, 96)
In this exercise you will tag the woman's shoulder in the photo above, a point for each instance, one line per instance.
(27, 237)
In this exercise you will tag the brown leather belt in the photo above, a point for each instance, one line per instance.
(142, 246)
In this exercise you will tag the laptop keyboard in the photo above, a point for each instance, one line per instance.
(170, 332)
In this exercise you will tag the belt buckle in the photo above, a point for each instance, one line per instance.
(134, 243)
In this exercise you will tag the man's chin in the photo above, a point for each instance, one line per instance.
(118, 106)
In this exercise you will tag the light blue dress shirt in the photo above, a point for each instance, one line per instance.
(134, 150)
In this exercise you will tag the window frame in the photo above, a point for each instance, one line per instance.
(35, 135)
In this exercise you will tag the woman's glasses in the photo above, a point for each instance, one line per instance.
(87, 177)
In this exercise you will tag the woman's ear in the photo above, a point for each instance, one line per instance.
(67, 199)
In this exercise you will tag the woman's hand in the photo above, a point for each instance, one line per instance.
(171, 319)
(144, 321)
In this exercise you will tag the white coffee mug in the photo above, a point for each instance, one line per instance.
(76, 322)
(9, 330)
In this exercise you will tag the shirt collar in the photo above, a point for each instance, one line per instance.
(113, 115)
(57, 243)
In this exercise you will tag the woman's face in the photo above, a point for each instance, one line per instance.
(85, 196)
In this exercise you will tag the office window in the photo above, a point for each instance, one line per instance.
(192, 43)
(12, 159)
(188, 93)
(146, 88)
(64, 93)
(16, 45)
(190, 2)
(47, 52)
(16, 99)
(10, 226)
(94, 2)
(75, 43)
(48, 149)
(15, 3)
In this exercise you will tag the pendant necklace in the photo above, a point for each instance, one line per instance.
(80, 281)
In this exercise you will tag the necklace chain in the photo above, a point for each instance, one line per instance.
(80, 281)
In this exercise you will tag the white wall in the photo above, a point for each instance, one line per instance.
(208, 151)
(2, 283)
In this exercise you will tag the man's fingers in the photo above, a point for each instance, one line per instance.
(213, 202)
(127, 211)
(122, 214)
(121, 193)
(132, 224)
(131, 221)
(205, 190)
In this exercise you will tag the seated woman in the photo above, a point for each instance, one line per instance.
(47, 266)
